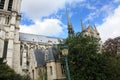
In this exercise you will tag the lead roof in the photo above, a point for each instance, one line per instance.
(38, 38)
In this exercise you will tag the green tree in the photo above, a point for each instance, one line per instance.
(112, 46)
(6, 73)
(86, 63)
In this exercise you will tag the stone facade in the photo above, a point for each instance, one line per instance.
(92, 31)
(38, 57)
(30, 54)
(26, 53)
(9, 32)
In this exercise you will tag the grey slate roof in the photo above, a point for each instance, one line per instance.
(38, 53)
(52, 54)
(38, 38)
(40, 57)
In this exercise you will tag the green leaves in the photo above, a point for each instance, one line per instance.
(112, 46)
(6, 73)
(86, 63)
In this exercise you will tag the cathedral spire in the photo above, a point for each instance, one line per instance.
(70, 28)
(68, 17)
(82, 25)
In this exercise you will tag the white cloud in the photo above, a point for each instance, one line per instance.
(116, 1)
(36, 9)
(103, 11)
(91, 16)
(39, 8)
(111, 26)
(88, 6)
(48, 27)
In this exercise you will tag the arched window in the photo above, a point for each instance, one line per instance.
(5, 48)
(51, 72)
(7, 20)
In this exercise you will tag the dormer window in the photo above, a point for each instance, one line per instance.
(2, 4)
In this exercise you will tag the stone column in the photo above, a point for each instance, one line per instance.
(14, 6)
(11, 41)
(17, 29)
(16, 54)
(24, 64)
(18, 5)
(6, 4)
(2, 20)
(10, 53)
(2, 37)
(16, 37)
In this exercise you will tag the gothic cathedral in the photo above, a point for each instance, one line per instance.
(30, 54)
(27, 53)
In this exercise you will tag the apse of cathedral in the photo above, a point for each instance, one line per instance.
(30, 54)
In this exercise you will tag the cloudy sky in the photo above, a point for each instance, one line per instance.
(48, 17)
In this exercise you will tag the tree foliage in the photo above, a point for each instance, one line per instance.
(86, 63)
(6, 73)
(112, 46)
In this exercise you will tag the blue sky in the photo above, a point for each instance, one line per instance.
(48, 17)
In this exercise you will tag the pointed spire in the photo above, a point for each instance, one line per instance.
(68, 18)
(70, 28)
(95, 27)
(82, 25)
